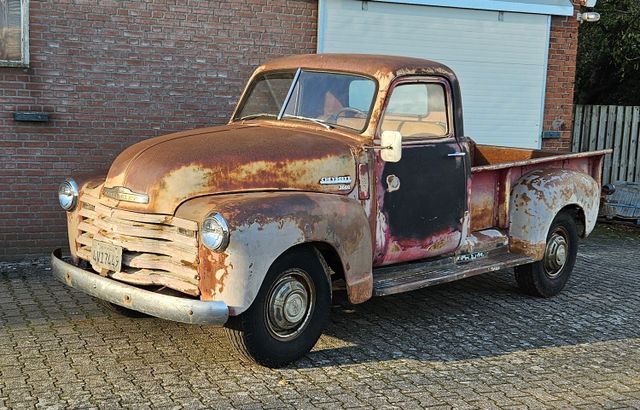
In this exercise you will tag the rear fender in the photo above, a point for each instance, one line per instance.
(264, 225)
(536, 199)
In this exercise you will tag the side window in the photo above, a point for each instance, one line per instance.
(417, 110)
(361, 94)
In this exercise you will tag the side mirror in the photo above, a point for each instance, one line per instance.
(391, 146)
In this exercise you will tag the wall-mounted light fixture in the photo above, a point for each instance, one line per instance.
(589, 17)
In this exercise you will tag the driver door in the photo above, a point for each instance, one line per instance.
(421, 200)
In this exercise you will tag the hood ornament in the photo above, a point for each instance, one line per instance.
(121, 193)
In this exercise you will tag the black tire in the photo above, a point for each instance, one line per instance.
(255, 332)
(122, 310)
(546, 278)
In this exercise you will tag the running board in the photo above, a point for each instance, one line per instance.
(388, 280)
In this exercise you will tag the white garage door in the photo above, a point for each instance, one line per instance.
(500, 57)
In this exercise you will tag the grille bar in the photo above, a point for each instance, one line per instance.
(157, 249)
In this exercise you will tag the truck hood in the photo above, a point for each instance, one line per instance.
(174, 168)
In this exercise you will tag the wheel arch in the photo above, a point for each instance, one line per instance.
(327, 255)
(578, 215)
(536, 199)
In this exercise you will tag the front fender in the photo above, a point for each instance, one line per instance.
(264, 225)
(536, 199)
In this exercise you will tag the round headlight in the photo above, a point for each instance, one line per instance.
(68, 194)
(215, 232)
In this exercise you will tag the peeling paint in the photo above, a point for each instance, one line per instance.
(554, 189)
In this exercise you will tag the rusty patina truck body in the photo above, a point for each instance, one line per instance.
(334, 168)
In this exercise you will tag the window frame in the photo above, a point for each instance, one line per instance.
(421, 80)
(251, 86)
(24, 38)
(367, 123)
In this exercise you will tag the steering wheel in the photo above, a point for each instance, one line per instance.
(345, 110)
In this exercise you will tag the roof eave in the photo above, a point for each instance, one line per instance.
(546, 7)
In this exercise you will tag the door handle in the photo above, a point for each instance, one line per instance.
(457, 154)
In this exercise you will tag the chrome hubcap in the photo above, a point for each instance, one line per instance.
(555, 255)
(290, 304)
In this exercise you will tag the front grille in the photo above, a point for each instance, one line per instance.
(158, 249)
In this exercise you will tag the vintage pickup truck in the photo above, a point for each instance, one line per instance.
(334, 170)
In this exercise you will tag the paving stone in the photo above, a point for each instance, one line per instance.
(476, 343)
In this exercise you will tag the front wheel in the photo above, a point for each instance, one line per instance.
(289, 313)
(548, 277)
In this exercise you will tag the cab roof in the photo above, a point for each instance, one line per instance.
(382, 67)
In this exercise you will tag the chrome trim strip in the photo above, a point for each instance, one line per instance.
(121, 193)
(289, 94)
(335, 180)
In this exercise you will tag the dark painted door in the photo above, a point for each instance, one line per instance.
(421, 198)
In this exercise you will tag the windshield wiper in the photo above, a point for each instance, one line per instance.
(251, 116)
(313, 120)
(297, 117)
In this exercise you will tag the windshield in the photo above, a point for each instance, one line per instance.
(332, 99)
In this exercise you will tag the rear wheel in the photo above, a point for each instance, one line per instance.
(548, 277)
(288, 314)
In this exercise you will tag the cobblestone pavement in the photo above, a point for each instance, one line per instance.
(474, 343)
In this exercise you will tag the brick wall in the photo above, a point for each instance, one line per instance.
(111, 73)
(561, 74)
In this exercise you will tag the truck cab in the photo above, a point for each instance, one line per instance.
(349, 169)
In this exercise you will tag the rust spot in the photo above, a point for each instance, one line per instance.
(482, 201)
(212, 272)
(482, 214)
(535, 250)
(361, 290)
(438, 244)
(414, 249)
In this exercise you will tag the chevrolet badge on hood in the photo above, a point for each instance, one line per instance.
(335, 180)
(121, 193)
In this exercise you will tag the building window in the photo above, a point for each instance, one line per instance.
(14, 33)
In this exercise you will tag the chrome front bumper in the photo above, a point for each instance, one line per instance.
(155, 304)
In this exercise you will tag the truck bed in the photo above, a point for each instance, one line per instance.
(493, 157)
(495, 169)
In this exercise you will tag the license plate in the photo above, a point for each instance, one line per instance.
(106, 256)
